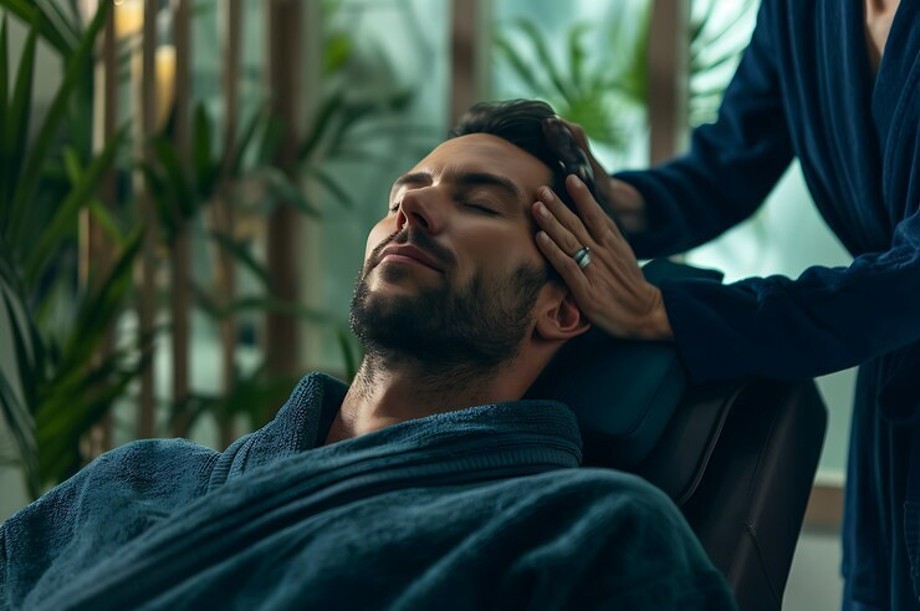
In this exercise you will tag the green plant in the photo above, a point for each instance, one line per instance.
(59, 388)
(584, 91)
(595, 89)
(61, 384)
(715, 48)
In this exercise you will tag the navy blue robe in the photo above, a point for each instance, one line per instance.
(480, 508)
(805, 88)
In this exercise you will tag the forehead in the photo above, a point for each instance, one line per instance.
(485, 153)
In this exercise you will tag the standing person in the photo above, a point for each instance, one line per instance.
(836, 84)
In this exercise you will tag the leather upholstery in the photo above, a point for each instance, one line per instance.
(738, 458)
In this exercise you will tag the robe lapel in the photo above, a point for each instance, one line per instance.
(846, 84)
(896, 112)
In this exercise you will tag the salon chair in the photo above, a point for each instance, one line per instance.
(738, 458)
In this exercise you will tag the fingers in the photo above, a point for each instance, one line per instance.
(581, 137)
(562, 262)
(562, 225)
(592, 215)
(589, 226)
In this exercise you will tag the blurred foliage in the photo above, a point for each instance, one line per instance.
(56, 390)
(60, 383)
(592, 85)
(586, 91)
(715, 49)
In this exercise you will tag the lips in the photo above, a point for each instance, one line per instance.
(406, 251)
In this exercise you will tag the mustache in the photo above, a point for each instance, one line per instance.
(418, 239)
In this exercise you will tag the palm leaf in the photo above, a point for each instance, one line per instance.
(30, 13)
(282, 189)
(16, 412)
(103, 217)
(64, 221)
(242, 254)
(65, 418)
(577, 57)
(545, 58)
(14, 147)
(22, 428)
(325, 178)
(320, 123)
(96, 312)
(74, 75)
(30, 368)
(206, 168)
(5, 178)
(520, 67)
(256, 123)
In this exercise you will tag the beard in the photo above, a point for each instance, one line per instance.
(474, 328)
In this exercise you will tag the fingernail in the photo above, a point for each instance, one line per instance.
(541, 235)
(542, 210)
(546, 195)
(575, 180)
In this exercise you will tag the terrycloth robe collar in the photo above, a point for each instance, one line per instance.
(272, 479)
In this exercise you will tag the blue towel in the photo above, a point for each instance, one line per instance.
(471, 509)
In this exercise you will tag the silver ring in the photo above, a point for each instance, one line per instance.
(583, 257)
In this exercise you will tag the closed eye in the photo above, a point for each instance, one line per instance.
(479, 207)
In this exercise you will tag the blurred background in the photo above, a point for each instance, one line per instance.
(186, 187)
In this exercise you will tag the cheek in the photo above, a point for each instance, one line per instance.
(503, 243)
(381, 231)
(502, 250)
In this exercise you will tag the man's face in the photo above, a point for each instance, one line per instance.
(451, 273)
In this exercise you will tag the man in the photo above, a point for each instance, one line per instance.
(426, 483)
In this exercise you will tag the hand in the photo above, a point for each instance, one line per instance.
(610, 290)
(624, 200)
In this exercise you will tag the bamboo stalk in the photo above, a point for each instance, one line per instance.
(180, 303)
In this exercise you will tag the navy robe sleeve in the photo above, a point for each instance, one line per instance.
(828, 318)
(731, 165)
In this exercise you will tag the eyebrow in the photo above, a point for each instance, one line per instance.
(465, 179)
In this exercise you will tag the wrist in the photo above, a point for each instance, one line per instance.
(627, 204)
(657, 327)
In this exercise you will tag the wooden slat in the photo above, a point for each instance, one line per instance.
(95, 259)
(180, 261)
(147, 268)
(470, 40)
(223, 209)
(282, 346)
(667, 86)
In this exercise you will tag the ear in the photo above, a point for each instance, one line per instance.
(559, 318)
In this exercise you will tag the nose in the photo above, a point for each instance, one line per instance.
(420, 208)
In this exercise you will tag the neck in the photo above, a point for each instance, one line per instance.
(384, 394)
